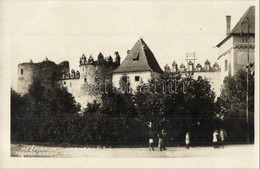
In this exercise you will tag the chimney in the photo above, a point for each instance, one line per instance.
(228, 19)
(128, 51)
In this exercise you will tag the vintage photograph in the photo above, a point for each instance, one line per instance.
(132, 79)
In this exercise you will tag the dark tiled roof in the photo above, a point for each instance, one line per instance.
(241, 26)
(140, 58)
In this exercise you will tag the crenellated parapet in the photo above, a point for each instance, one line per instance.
(192, 68)
(101, 60)
(70, 75)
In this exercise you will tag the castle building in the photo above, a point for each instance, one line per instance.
(139, 66)
(238, 44)
(47, 71)
(213, 74)
(78, 83)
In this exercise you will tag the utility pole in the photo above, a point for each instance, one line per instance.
(190, 57)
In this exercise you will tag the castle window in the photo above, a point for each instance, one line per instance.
(226, 65)
(137, 78)
(85, 79)
(21, 71)
(64, 83)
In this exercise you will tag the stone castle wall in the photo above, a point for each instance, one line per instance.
(77, 82)
(212, 73)
(45, 71)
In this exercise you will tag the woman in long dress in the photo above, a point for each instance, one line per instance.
(187, 140)
(215, 139)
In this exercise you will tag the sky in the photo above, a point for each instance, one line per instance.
(64, 30)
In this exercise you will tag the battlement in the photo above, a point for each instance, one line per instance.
(192, 68)
(69, 75)
(101, 60)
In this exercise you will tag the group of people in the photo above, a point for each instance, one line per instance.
(218, 139)
(161, 141)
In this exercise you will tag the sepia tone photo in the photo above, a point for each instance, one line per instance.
(159, 82)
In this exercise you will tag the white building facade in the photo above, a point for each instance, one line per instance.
(238, 45)
(139, 66)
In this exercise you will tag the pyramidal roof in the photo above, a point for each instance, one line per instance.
(241, 26)
(139, 58)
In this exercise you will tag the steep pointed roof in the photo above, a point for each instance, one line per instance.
(140, 58)
(241, 26)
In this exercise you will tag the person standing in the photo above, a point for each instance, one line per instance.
(215, 138)
(161, 140)
(223, 136)
(187, 140)
(151, 140)
(151, 136)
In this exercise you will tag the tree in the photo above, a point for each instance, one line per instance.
(45, 114)
(17, 113)
(178, 104)
(113, 121)
(233, 101)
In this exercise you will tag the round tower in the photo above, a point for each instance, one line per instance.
(24, 77)
(64, 67)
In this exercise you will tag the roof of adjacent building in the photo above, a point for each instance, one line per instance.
(140, 58)
(242, 25)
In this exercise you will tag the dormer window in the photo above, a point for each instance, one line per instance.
(136, 58)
